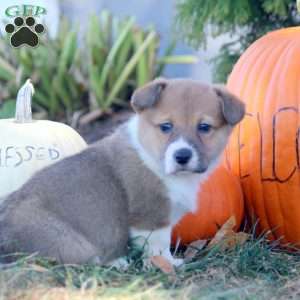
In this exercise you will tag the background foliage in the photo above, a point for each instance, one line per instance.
(244, 20)
(90, 76)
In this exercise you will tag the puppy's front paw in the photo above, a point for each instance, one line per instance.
(164, 263)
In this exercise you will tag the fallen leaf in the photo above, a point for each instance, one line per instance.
(227, 238)
(38, 268)
(194, 248)
(240, 238)
(163, 264)
(233, 240)
(225, 230)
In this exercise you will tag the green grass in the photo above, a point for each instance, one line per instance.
(252, 271)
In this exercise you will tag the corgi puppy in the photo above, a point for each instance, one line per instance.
(137, 182)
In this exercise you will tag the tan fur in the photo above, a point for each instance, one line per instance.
(82, 208)
(186, 103)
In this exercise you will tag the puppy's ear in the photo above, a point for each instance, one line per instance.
(233, 108)
(148, 95)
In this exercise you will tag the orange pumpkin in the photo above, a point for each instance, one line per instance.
(264, 149)
(219, 198)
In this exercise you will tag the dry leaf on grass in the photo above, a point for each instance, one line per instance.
(194, 248)
(223, 232)
(38, 268)
(163, 264)
(227, 238)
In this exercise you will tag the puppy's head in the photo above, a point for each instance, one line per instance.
(183, 124)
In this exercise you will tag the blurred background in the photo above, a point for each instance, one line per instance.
(160, 14)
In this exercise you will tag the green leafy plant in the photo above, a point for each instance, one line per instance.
(129, 59)
(245, 20)
(92, 76)
(51, 66)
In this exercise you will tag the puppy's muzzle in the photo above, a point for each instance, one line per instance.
(181, 156)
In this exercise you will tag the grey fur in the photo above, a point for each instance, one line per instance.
(83, 206)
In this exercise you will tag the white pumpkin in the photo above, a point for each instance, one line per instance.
(27, 146)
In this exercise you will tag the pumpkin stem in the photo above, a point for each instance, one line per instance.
(23, 106)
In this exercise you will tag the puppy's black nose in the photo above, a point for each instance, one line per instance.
(182, 156)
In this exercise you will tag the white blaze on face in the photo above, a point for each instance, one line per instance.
(171, 166)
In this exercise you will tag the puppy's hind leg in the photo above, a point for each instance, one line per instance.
(73, 248)
(49, 237)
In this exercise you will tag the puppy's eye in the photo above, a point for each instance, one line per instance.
(204, 128)
(166, 127)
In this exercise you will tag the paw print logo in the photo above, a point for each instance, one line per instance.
(24, 32)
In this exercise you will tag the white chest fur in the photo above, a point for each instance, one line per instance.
(181, 189)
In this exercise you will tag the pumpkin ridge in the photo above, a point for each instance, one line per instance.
(280, 64)
(267, 60)
(240, 68)
(244, 81)
(288, 71)
(265, 188)
(266, 78)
